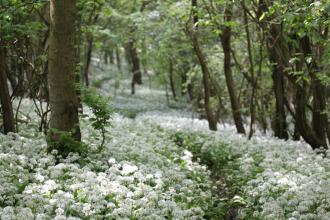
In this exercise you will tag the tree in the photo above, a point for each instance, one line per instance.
(61, 78)
(7, 109)
(226, 46)
(134, 62)
(206, 75)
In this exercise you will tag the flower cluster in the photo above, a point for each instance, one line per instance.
(140, 174)
(143, 174)
(282, 179)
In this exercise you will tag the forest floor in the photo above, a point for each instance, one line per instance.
(160, 162)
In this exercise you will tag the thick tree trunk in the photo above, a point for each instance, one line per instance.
(320, 120)
(302, 125)
(301, 121)
(62, 94)
(7, 109)
(279, 56)
(279, 48)
(226, 45)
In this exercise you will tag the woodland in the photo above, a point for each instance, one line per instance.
(164, 109)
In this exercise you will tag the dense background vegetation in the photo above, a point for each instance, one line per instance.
(259, 66)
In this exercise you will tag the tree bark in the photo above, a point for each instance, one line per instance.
(252, 75)
(62, 94)
(278, 53)
(279, 48)
(111, 56)
(135, 65)
(205, 70)
(172, 79)
(319, 120)
(279, 56)
(88, 56)
(226, 45)
(106, 56)
(118, 59)
(7, 109)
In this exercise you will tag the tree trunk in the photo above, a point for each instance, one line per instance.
(111, 56)
(106, 56)
(62, 94)
(252, 75)
(320, 120)
(225, 41)
(118, 60)
(205, 70)
(11, 73)
(88, 56)
(302, 125)
(301, 121)
(279, 56)
(7, 109)
(172, 79)
(279, 48)
(186, 87)
(135, 65)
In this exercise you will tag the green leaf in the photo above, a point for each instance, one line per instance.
(262, 16)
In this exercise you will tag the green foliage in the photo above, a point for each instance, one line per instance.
(64, 143)
(100, 109)
(12, 13)
(216, 158)
(224, 164)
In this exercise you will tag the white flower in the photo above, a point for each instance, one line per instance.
(149, 176)
(112, 161)
(129, 169)
(39, 177)
(59, 211)
(8, 213)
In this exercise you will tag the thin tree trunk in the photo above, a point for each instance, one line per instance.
(254, 84)
(135, 65)
(88, 56)
(118, 59)
(7, 109)
(111, 56)
(226, 45)
(11, 73)
(172, 79)
(280, 127)
(62, 94)
(105, 57)
(205, 70)
(92, 19)
(186, 87)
